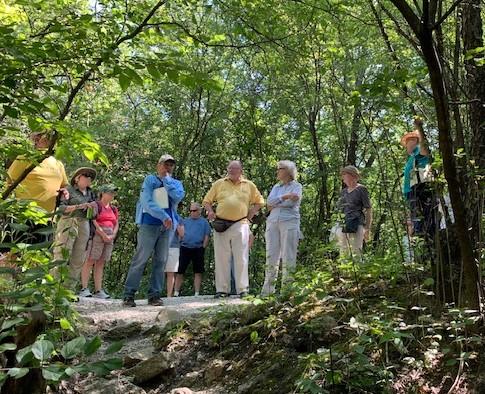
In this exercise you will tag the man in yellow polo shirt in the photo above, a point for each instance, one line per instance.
(238, 200)
(44, 181)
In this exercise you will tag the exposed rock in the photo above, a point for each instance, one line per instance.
(152, 367)
(120, 385)
(123, 331)
(182, 390)
(169, 315)
(215, 370)
(137, 356)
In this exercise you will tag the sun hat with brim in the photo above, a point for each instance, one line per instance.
(109, 188)
(412, 134)
(88, 171)
(350, 170)
(166, 157)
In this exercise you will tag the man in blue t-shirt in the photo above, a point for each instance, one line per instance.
(156, 216)
(195, 238)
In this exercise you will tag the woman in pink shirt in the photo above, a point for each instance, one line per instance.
(101, 245)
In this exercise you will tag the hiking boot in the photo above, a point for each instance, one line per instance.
(101, 294)
(220, 295)
(85, 293)
(155, 301)
(243, 294)
(129, 301)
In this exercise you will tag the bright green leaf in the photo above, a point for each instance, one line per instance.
(17, 373)
(42, 349)
(73, 348)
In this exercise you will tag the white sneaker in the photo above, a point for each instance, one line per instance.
(85, 293)
(102, 294)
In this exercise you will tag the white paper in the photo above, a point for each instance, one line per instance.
(160, 197)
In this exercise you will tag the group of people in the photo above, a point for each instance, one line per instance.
(230, 204)
(87, 223)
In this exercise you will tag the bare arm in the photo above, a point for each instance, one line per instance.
(210, 212)
(254, 210)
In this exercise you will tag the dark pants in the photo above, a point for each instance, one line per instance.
(424, 209)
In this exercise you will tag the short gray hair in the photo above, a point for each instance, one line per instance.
(235, 161)
(195, 204)
(290, 166)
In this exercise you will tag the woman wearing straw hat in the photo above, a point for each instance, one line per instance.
(356, 206)
(72, 232)
(416, 185)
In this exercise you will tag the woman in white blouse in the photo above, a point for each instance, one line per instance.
(282, 226)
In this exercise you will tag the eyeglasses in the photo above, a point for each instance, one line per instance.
(194, 210)
(169, 163)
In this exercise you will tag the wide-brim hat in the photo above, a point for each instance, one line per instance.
(352, 170)
(408, 136)
(91, 172)
(108, 188)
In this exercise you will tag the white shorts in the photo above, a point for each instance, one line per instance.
(173, 260)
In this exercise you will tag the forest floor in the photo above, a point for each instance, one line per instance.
(329, 337)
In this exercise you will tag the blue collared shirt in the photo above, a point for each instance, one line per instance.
(284, 209)
(147, 210)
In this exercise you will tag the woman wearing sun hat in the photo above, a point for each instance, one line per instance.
(356, 206)
(72, 232)
(100, 246)
(417, 189)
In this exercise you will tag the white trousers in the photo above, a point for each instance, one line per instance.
(234, 242)
(350, 243)
(281, 243)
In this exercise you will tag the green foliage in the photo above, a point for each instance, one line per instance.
(32, 295)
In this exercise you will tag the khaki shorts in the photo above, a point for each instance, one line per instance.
(173, 260)
(98, 249)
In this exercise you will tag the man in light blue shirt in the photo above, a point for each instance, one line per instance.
(196, 233)
(154, 227)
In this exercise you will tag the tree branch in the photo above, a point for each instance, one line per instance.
(411, 18)
(447, 14)
(72, 95)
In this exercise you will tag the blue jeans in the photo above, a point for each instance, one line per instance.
(150, 239)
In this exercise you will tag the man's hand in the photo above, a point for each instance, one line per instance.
(65, 193)
(181, 231)
(167, 223)
(211, 215)
(290, 196)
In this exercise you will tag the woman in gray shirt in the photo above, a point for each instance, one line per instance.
(356, 206)
(282, 226)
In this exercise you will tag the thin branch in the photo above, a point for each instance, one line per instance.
(408, 14)
(447, 14)
(67, 107)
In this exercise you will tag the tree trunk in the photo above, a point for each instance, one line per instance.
(423, 29)
(470, 275)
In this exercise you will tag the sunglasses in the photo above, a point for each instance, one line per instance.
(90, 176)
(194, 210)
(169, 163)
